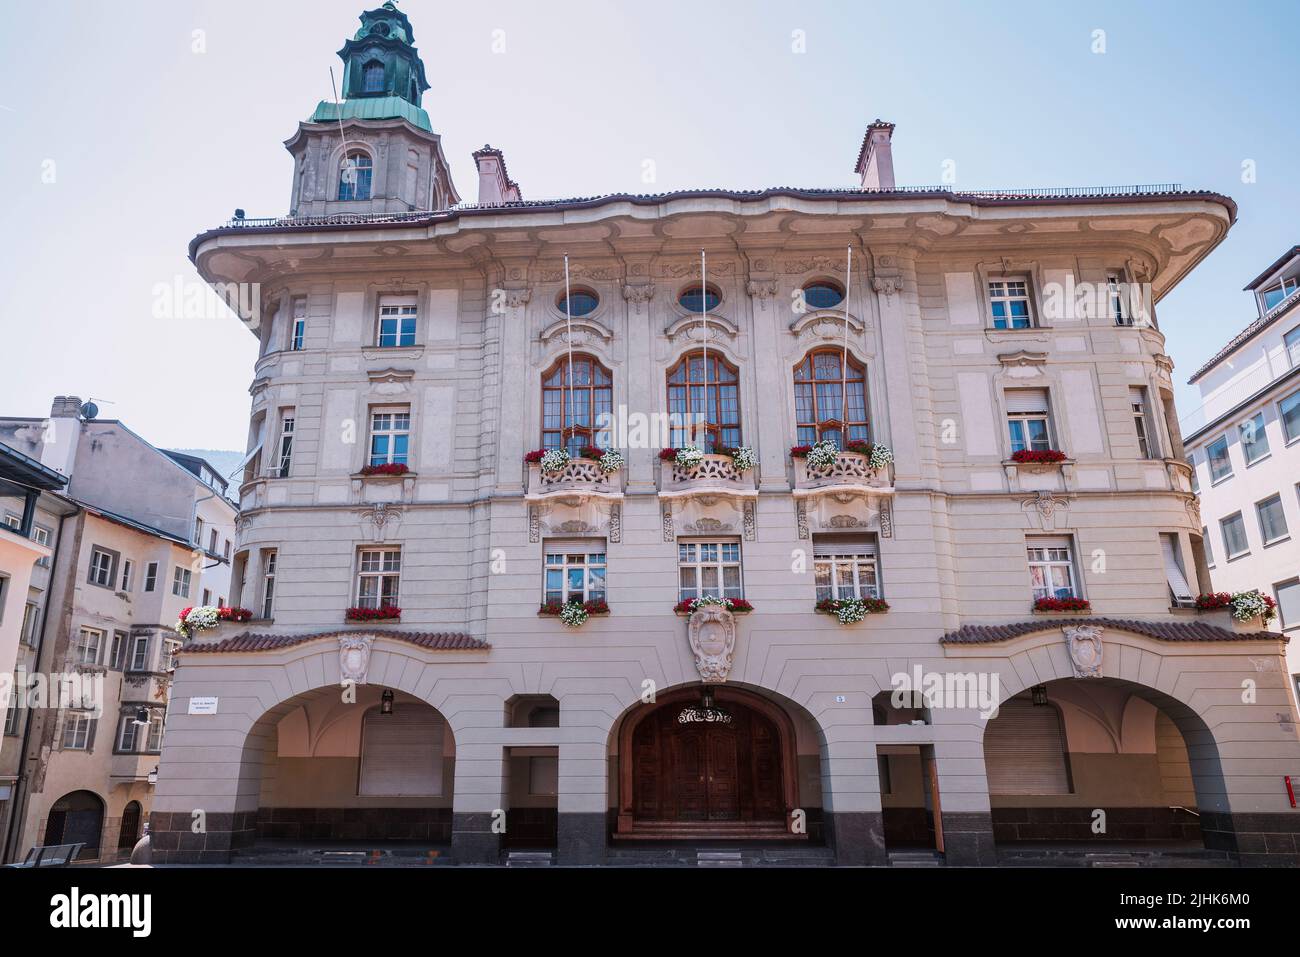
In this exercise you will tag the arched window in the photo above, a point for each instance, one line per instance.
(354, 176)
(372, 77)
(571, 405)
(130, 832)
(819, 392)
(706, 400)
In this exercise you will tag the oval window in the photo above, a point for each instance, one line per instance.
(822, 295)
(580, 302)
(699, 299)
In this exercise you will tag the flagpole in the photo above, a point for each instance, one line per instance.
(844, 367)
(567, 396)
(704, 319)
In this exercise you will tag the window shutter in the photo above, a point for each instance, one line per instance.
(1048, 541)
(1027, 400)
(401, 753)
(399, 300)
(573, 546)
(826, 546)
(1173, 571)
(1024, 750)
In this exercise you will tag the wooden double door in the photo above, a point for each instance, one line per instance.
(694, 773)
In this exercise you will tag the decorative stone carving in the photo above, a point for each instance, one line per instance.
(795, 267)
(844, 521)
(577, 331)
(1084, 644)
(573, 527)
(886, 519)
(579, 270)
(692, 268)
(751, 521)
(639, 293)
(762, 290)
(695, 329)
(354, 657)
(888, 285)
(711, 631)
(1023, 359)
(514, 298)
(801, 517)
(720, 467)
(384, 518)
(534, 524)
(666, 513)
(1045, 507)
(705, 526)
(616, 523)
(824, 326)
(1193, 505)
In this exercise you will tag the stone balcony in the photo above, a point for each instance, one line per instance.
(716, 476)
(845, 494)
(580, 480)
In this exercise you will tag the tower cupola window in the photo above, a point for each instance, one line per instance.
(372, 77)
(354, 176)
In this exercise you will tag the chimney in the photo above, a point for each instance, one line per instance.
(876, 158)
(62, 433)
(494, 183)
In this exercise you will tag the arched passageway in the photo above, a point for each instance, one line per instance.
(77, 818)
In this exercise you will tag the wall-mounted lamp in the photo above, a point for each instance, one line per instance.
(1039, 694)
(386, 701)
(142, 716)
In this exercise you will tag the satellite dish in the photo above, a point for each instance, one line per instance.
(89, 410)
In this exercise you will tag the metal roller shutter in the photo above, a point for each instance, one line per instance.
(401, 753)
(1024, 750)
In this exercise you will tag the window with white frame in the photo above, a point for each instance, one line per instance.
(128, 732)
(1272, 520)
(207, 597)
(11, 716)
(298, 331)
(574, 570)
(41, 536)
(285, 457)
(1209, 547)
(379, 573)
(31, 617)
(1009, 303)
(140, 653)
(709, 570)
(78, 730)
(213, 538)
(169, 648)
(1254, 439)
(153, 743)
(1118, 307)
(1216, 453)
(1288, 603)
(181, 582)
(1234, 535)
(270, 558)
(101, 567)
(390, 435)
(127, 568)
(397, 318)
(1028, 419)
(846, 566)
(1051, 567)
(1289, 412)
(198, 532)
(89, 642)
(1137, 399)
(1292, 343)
(1170, 552)
(117, 651)
(1278, 292)
(151, 576)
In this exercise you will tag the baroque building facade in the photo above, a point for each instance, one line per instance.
(1008, 551)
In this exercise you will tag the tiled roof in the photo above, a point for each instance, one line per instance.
(433, 640)
(1250, 332)
(1159, 630)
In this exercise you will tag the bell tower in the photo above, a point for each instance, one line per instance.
(375, 150)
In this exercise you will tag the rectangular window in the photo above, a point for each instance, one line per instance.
(1292, 342)
(390, 435)
(170, 647)
(78, 730)
(13, 521)
(1288, 603)
(31, 618)
(379, 573)
(127, 568)
(154, 742)
(1234, 535)
(1272, 520)
(181, 582)
(140, 654)
(89, 641)
(226, 551)
(207, 597)
(1138, 403)
(117, 654)
(126, 735)
(198, 532)
(287, 417)
(1179, 590)
(41, 536)
(1009, 303)
(299, 332)
(1051, 568)
(1274, 295)
(151, 576)
(213, 538)
(574, 570)
(1027, 420)
(1217, 455)
(1289, 412)
(1209, 548)
(846, 566)
(11, 716)
(1117, 310)
(397, 317)
(101, 568)
(1254, 440)
(709, 569)
(268, 583)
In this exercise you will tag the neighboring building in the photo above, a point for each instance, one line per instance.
(411, 361)
(1244, 446)
(101, 603)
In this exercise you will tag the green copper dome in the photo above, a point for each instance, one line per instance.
(383, 75)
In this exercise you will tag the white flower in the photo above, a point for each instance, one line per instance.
(823, 454)
(555, 460)
(611, 461)
(573, 614)
(1249, 605)
(851, 610)
(198, 619)
(689, 456)
(743, 458)
(880, 457)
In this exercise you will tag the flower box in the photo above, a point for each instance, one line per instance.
(737, 606)
(688, 458)
(557, 461)
(382, 613)
(851, 610)
(1244, 606)
(204, 617)
(574, 614)
(1056, 605)
(389, 468)
(1038, 456)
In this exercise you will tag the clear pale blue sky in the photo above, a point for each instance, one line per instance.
(151, 142)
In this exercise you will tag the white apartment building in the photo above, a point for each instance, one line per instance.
(410, 534)
(1244, 447)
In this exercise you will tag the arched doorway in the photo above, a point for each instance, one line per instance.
(76, 818)
(1102, 762)
(130, 832)
(707, 763)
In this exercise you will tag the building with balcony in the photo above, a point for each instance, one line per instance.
(1243, 443)
(86, 691)
(740, 528)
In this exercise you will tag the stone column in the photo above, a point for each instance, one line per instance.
(855, 825)
(477, 805)
(771, 374)
(584, 774)
(513, 400)
(964, 797)
(640, 385)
